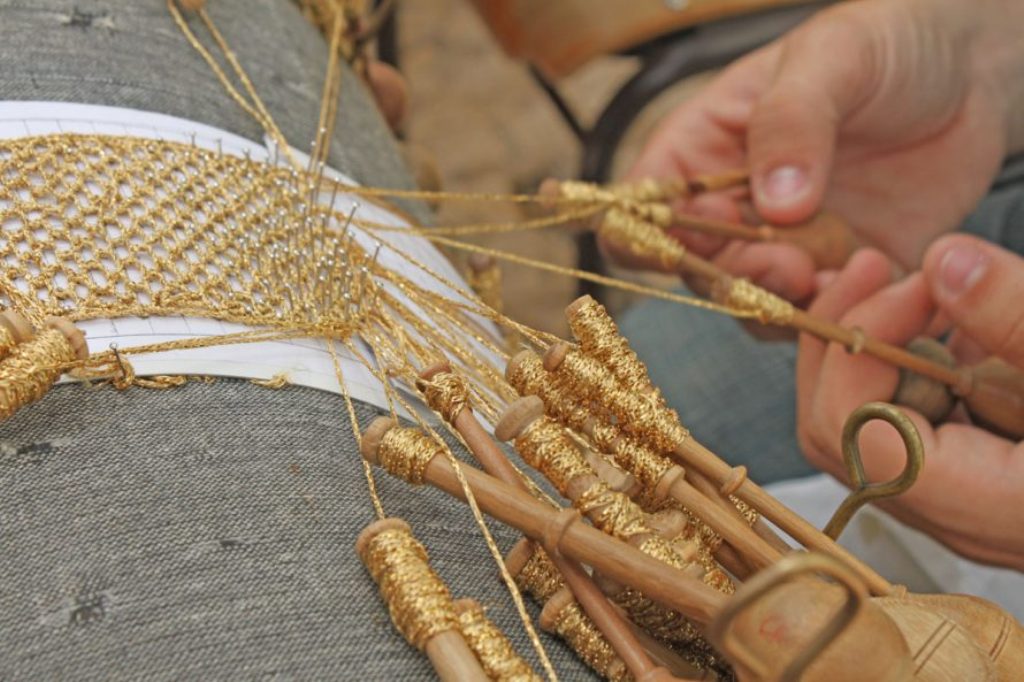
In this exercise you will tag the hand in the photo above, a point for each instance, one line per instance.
(894, 114)
(968, 494)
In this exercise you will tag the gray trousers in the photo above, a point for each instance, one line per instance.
(205, 532)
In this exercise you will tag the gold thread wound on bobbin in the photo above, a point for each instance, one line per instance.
(405, 452)
(745, 296)
(599, 337)
(32, 368)
(656, 425)
(563, 616)
(641, 239)
(417, 599)
(495, 653)
(446, 393)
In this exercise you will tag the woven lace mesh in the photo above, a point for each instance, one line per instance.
(98, 226)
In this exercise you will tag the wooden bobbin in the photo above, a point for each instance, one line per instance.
(608, 621)
(996, 397)
(693, 455)
(74, 335)
(788, 620)
(495, 653)
(447, 650)
(192, 5)
(941, 650)
(995, 632)
(520, 416)
(933, 399)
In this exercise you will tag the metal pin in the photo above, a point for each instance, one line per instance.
(119, 360)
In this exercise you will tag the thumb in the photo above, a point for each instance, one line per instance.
(980, 287)
(821, 77)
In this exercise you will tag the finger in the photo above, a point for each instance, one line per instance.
(896, 315)
(821, 78)
(867, 272)
(980, 287)
(390, 92)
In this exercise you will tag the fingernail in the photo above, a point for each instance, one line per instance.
(960, 269)
(785, 183)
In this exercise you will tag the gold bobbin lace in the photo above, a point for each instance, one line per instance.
(100, 226)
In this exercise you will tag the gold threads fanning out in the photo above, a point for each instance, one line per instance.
(654, 424)
(744, 296)
(405, 453)
(417, 599)
(580, 633)
(495, 653)
(32, 368)
(599, 337)
(641, 239)
(446, 393)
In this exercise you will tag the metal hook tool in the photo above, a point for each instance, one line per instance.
(863, 491)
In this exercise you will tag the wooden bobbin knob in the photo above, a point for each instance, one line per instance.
(433, 370)
(19, 328)
(519, 415)
(192, 5)
(375, 529)
(480, 262)
(519, 556)
(555, 355)
(933, 399)
(73, 334)
(826, 237)
(550, 191)
(996, 399)
(372, 436)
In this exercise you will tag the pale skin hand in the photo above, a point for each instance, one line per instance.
(969, 493)
(894, 114)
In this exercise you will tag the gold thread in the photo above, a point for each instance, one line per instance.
(446, 393)
(7, 342)
(31, 370)
(405, 453)
(762, 304)
(599, 337)
(495, 653)
(580, 633)
(641, 239)
(659, 426)
(417, 599)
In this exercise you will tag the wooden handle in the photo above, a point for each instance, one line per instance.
(605, 617)
(452, 658)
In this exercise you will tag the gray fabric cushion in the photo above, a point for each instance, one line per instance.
(208, 532)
